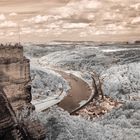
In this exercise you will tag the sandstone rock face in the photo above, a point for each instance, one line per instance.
(15, 93)
(7, 117)
(15, 76)
(9, 126)
(12, 129)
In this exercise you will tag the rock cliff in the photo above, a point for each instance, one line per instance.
(13, 129)
(15, 76)
(15, 95)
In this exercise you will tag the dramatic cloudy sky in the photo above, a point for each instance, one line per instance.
(42, 20)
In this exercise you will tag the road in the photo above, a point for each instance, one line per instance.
(80, 91)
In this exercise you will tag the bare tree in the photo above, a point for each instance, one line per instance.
(97, 91)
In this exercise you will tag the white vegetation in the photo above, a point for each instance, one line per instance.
(120, 124)
(47, 83)
(123, 81)
(78, 58)
(48, 88)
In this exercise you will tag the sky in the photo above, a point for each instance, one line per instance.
(80, 20)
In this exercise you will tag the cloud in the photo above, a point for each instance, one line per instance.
(90, 16)
(13, 14)
(8, 24)
(108, 16)
(111, 27)
(90, 4)
(37, 19)
(84, 4)
(136, 20)
(83, 34)
(99, 32)
(1, 33)
(11, 33)
(82, 17)
(75, 25)
(2, 17)
(52, 25)
(77, 8)
(111, 15)
(26, 30)
(136, 6)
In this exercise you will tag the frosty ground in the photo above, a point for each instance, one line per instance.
(117, 64)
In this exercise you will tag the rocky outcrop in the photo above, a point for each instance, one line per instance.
(15, 76)
(15, 95)
(9, 126)
(12, 129)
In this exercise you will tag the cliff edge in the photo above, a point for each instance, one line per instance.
(15, 96)
(15, 76)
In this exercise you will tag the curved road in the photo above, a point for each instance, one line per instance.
(79, 91)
